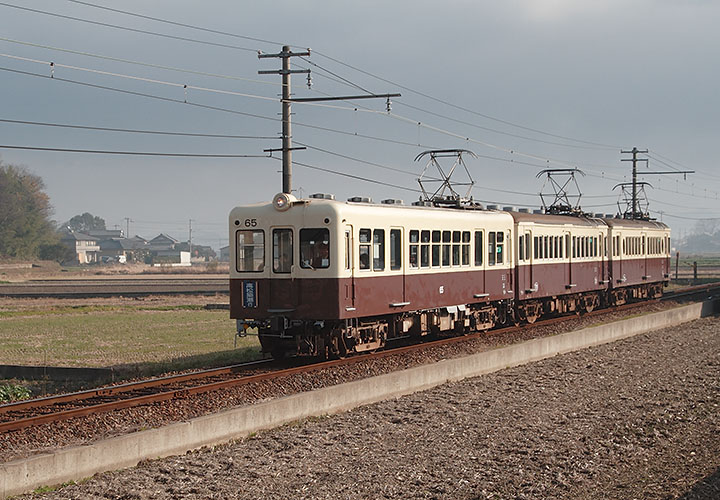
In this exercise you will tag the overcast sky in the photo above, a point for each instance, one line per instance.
(525, 84)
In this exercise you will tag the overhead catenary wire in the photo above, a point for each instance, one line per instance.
(140, 63)
(126, 28)
(130, 153)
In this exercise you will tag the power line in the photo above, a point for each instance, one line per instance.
(139, 63)
(134, 30)
(131, 153)
(225, 33)
(135, 131)
(208, 30)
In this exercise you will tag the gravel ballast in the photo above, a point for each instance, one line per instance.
(637, 418)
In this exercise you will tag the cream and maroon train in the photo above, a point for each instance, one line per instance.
(323, 277)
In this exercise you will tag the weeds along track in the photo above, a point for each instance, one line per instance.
(23, 414)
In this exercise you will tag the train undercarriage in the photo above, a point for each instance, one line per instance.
(282, 337)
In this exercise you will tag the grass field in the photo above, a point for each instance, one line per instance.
(144, 339)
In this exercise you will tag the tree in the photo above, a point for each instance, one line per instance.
(86, 222)
(25, 212)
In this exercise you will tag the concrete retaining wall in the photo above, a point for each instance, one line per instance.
(126, 451)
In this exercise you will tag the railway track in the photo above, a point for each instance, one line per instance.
(88, 288)
(35, 412)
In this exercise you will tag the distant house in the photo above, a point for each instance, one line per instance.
(225, 254)
(105, 234)
(85, 246)
(162, 242)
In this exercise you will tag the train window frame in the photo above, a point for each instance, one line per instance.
(413, 249)
(348, 249)
(425, 248)
(465, 260)
(396, 249)
(446, 246)
(521, 247)
(456, 242)
(378, 255)
(479, 250)
(491, 248)
(436, 237)
(536, 247)
(364, 242)
(254, 245)
(282, 264)
(317, 250)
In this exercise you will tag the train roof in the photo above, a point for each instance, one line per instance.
(636, 224)
(557, 219)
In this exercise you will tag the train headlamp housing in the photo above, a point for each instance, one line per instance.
(282, 201)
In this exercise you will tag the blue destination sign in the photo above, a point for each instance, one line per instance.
(250, 293)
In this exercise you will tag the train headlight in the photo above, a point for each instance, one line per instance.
(282, 201)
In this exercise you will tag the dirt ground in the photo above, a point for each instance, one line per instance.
(637, 418)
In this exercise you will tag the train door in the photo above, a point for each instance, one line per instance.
(525, 283)
(479, 285)
(349, 268)
(398, 292)
(602, 255)
(283, 292)
(644, 256)
(618, 256)
(569, 258)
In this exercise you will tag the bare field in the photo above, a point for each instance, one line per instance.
(152, 333)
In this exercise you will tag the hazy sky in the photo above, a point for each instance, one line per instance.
(544, 83)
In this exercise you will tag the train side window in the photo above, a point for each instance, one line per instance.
(545, 249)
(478, 248)
(536, 247)
(527, 246)
(395, 249)
(315, 248)
(348, 250)
(425, 249)
(574, 246)
(446, 237)
(556, 250)
(250, 251)
(466, 248)
(491, 248)
(364, 248)
(568, 250)
(456, 238)
(378, 249)
(282, 250)
(521, 247)
(595, 246)
(414, 240)
(436, 248)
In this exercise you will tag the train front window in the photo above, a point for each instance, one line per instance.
(250, 251)
(282, 250)
(315, 248)
(378, 249)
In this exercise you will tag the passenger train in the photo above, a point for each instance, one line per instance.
(326, 278)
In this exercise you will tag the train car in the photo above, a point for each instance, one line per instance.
(639, 259)
(561, 264)
(323, 277)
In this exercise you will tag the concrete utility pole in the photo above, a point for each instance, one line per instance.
(636, 213)
(190, 236)
(635, 209)
(287, 148)
(287, 99)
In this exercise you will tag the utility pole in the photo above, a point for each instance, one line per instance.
(287, 148)
(287, 99)
(190, 237)
(635, 209)
(635, 212)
